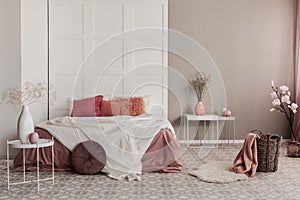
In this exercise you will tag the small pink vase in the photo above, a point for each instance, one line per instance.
(227, 113)
(34, 138)
(199, 108)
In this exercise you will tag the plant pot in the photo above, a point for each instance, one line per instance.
(199, 108)
(293, 149)
(25, 125)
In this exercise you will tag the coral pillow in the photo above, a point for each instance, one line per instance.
(88, 107)
(133, 106)
(136, 106)
(110, 108)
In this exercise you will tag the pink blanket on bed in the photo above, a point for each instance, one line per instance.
(163, 155)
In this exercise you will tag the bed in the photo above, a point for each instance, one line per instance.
(148, 145)
(84, 62)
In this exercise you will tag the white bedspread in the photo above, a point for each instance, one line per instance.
(124, 138)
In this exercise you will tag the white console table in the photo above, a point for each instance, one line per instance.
(211, 118)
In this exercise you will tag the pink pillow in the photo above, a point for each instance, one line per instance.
(133, 106)
(124, 103)
(110, 108)
(88, 107)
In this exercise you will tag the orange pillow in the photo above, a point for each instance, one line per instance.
(133, 106)
(136, 106)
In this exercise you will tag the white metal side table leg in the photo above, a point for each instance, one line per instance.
(38, 167)
(24, 163)
(52, 162)
(7, 160)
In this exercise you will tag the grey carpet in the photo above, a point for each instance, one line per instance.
(284, 184)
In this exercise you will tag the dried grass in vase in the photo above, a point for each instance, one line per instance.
(199, 83)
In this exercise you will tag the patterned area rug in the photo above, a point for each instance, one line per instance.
(284, 184)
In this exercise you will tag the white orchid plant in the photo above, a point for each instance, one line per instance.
(282, 103)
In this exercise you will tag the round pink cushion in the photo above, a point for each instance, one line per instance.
(88, 157)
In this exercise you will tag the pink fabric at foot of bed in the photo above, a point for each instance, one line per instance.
(164, 154)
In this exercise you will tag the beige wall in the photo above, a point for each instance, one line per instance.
(251, 41)
(10, 66)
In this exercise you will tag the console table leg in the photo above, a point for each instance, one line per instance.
(7, 160)
(233, 132)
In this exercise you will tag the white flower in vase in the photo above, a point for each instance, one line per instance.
(286, 99)
(282, 103)
(29, 94)
(283, 89)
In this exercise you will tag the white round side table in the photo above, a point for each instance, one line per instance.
(18, 145)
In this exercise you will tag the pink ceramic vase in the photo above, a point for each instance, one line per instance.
(199, 108)
(34, 138)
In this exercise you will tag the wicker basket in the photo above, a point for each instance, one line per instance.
(268, 146)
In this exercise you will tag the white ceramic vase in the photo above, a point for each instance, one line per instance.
(25, 125)
(199, 108)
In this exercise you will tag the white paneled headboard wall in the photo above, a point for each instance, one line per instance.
(101, 47)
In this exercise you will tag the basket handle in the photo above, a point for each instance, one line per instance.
(256, 130)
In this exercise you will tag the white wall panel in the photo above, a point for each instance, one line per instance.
(67, 19)
(65, 88)
(109, 85)
(66, 56)
(80, 33)
(149, 54)
(152, 84)
(147, 14)
(108, 56)
(107, 18)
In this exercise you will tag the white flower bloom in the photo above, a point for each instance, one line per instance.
(283, 89)
(272, 109)
(273, 95)
(272, 83)
(276, 102)
(286, 99)
(289, 93)
(293, 107)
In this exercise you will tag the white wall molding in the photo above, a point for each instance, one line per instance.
(34, 49)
